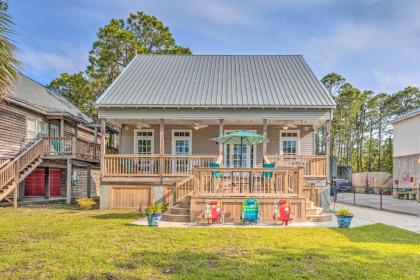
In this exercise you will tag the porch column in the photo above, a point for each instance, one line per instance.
(221, 132)
(62, 127)
(103, 147)
(95, 135)
(61, 135)
(161, 147)
(68, 187)
(265, 135)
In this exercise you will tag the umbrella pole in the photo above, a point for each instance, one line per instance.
(241, 151)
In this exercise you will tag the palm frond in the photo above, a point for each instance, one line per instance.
(8, 61)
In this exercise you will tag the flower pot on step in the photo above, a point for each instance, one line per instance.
(344, 221)
(153, 219)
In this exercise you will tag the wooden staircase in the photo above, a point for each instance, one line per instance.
(18, 169)
(179, 212)
(315, 213)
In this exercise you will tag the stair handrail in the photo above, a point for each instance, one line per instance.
(184, 188)
(13, 168)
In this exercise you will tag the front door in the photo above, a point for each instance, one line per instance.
(232, 154)
(144, 145)
(181, 145)
(55, 182)
(35, 183)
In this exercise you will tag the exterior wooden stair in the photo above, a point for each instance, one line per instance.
(179, 212)
(315, 213)
(18, 169)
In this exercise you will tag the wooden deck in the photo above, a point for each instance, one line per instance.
(132, 182)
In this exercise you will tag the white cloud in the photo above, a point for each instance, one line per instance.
(44, 62)
(396, 80)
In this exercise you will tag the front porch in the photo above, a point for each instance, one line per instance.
(175, 161)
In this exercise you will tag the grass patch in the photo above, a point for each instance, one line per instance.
(63, 243)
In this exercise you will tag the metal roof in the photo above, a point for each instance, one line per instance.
(216, 81)
(35, 95)
(406, 116)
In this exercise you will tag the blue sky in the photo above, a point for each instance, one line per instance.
(374, 44)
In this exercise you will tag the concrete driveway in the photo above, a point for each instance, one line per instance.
(389, 203)
(368, 215)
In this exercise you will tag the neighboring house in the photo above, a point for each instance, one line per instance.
(46, 146)
(406, 150)
(170, 106)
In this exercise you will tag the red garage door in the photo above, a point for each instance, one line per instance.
(55, 182)
(35, 183)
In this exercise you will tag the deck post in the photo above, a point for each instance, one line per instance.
(300, 181)
(265, 135)
(95, 135)
(328, 152)
(47, 183)
(15, 195)
(221, 132)
(68, 187)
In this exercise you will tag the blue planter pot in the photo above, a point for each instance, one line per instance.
(344, 221)
(153, 219)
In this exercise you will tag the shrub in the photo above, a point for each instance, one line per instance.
(85, 203)
(344, 212)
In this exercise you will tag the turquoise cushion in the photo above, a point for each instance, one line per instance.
(268, 165)
(215, 174)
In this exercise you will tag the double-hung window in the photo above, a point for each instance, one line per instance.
(33, 128)
(144, 141)
(289, 142)
(181, 142)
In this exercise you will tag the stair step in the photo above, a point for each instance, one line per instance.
(314, 211)
(175, 218)
(319, 217)
(179, 211)
(309, 204)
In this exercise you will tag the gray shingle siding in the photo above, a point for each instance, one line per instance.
(217, 81)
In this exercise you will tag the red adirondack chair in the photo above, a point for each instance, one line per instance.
(213, 212)
(282, 212)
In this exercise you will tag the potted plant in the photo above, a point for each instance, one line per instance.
(344, 217)
(153, 214)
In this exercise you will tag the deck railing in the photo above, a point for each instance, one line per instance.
(4, 161)
(249, 181)
(314, 166)
(58, 146)
(126, 165)
(184, 188)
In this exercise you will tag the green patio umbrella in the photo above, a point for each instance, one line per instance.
(241, 137)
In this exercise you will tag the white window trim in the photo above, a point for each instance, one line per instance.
(136, 138)
(248, 160)
(297, 138)
(37, 125)
(180, 138)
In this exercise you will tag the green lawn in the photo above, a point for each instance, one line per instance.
(48, 243)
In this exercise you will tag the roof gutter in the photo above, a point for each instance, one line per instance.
(164, 107)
